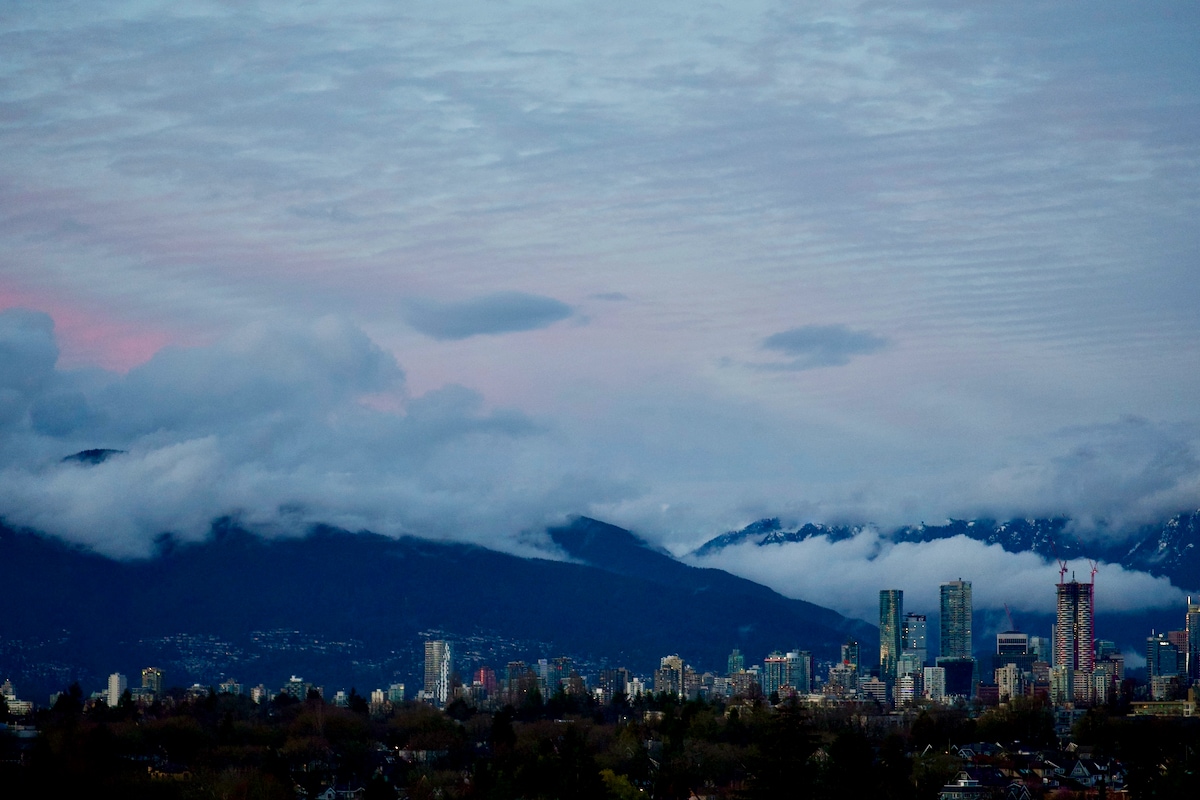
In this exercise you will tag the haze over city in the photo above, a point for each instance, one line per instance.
(462, 270)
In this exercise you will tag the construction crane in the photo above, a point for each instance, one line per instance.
(1062, 565)
(1091, 561)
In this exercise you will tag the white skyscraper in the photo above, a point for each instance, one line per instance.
(117, 684)
(438, 670)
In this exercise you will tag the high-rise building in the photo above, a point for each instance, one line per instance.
(1162, 657)
(613, 681)
(152, 681)
(668, 678)
(438, 671)
(955, 620)
(737, 662)
(935, 684)
(850, 654)
(774, 673)
(1074, 627)
(1012, 647)
(1192, 627)
(1062, 684)
(909, 687)
(557, 675)
(913, 642)
(1010, 680)
(891, 609)
(1041, 648)
(800, 671)
(117, 684)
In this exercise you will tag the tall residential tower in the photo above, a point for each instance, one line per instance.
(956, 620)
(438, 669)
(1073, 627)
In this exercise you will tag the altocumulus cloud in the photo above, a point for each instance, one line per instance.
(501, 312)
(279, 427)
(812, 346)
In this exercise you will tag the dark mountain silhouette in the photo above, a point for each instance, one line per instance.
(349, 609)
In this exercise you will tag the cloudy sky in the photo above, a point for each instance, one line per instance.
(461, 268)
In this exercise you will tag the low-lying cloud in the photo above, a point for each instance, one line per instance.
(812, 346)
(501, 312)
(846, 575)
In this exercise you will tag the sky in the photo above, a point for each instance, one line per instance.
(463, 269)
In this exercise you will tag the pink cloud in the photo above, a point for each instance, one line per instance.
(90, 338)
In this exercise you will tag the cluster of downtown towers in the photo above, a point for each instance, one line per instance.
(903, 648)
(1078, 668)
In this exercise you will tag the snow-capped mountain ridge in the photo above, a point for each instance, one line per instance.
(1170, 548)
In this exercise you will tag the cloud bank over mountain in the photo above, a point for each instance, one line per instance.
(842, 575)
(280, 428)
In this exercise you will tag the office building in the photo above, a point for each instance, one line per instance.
(955, 620)
(558, 675)
(913, 642)
(152, 681)
(1012, 647)
(850, 654)
(438, 671)
(737, 662)
(891, 611)
(800, 671)
(1074, 627)
(1163, 657)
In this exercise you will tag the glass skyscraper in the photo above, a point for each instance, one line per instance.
(956, 620)
(891, 644)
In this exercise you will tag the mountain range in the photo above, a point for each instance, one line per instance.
(352, 609)
(1169, 548)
